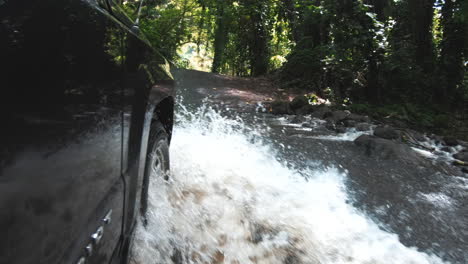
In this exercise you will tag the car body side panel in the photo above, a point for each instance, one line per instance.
(61, 136)
(147, 79)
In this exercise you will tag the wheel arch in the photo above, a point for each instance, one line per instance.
(164, 113)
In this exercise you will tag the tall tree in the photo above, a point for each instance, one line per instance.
(453, 51)
(259, 35)
(221, 34)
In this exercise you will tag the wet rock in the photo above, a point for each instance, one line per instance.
(299, 102)
(414, 135)
(450, 141)
(330, 124)
(280, 108)
(349, 123)
(292, 258)
(340, 130)
(363, 127)
(305, 110)
(321, 111)
(337, 116)
(437, 139)
(358, 118)
(463, 156)
(387, 149)
(259, 232)
(298, 119)
(465, 170)
(446, 149)
(386, 132)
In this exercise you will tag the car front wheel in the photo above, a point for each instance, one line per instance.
(157, 164)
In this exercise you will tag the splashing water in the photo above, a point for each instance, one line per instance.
(230, 200)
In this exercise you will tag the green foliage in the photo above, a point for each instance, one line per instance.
(313, 98)
(399, 54)
(382, 52)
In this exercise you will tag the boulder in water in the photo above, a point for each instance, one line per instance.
(446, 149)
(340, 130)
(349, 123)
(305, 110)
(338, 115)
(330, 125)
(450, 141)
(387, 149)
(463, 156)
(386, 132)
(358, 118)
(321, 111)
(280, 108)
(363, 127)
(414, 135)
(298, 119)
(298, 102)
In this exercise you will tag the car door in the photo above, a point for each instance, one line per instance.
(61, 190)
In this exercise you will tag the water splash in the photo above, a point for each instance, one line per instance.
(229, 200)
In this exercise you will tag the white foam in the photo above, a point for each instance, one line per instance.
(438, 199)
(349, 135)
(231, 201)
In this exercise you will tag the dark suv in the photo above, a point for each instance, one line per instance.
(86, 112)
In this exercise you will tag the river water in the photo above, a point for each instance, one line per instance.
(255, 188)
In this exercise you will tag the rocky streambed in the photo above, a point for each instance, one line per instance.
(378, 140)
(413, 184)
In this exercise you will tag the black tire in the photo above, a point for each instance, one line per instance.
(157, 156)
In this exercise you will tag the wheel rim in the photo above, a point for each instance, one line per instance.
(158, 162)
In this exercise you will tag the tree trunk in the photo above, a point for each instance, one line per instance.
(221, 35)
(423, 11)
(259, 37)
(454, 41)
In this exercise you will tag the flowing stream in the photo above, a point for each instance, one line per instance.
(233, 198)
(252, 188)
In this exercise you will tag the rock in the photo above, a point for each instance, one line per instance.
(363, 127)
(280, 108)
(386, 132)
(450, 141)
(305, 110)
(298, 119)
(399, 123)
(358, 118)
(415, 135)
(299, 102)
(340, 130)
(337, 116)
(465, 170)
(330, 125)
(349, 123)
(446, 149)
(437, 139)
(388, 149)
(463, 156)
(321, 111)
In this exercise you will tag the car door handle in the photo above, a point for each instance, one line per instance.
(108, 218)
(97, 236)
